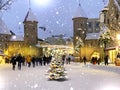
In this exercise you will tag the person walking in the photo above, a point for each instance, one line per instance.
(19, 60)
(13, 61)
(28, 60)
(84, 60)
(44, 60)
(99, 60)
(33, 61)
(106, 60)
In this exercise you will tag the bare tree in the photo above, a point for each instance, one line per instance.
(5, 4)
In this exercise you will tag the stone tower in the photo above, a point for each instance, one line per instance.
(30, 28)
(79, 25)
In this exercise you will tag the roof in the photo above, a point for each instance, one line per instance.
(104, 28)
(92, 36)
(117, 2)
(80, 12)
(105, 8)
(111, 48)
(97, 35)
(30, 16)
(17, 38)
(3, 28)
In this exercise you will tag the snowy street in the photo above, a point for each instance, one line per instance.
(80, 77)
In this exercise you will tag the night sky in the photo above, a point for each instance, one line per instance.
(56, 15)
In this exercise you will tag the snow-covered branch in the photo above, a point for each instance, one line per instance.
(105, 38)
(5, 4)
(79, 44)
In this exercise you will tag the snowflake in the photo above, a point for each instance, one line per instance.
(71, 88)
(57, 22)
(57, 13)
(36, 85)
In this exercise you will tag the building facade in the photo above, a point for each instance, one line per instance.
(30, 28)
(110, 17)
(89, 31)
(13, 44)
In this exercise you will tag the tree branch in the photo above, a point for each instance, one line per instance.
(5, 4)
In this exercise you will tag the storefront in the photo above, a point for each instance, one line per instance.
(112, 52)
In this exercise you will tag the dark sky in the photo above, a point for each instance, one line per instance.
(56, 15)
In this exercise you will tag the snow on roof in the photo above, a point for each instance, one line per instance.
(104, 28)
(30, 16)
(3, 28)
(105, 8)
(97, 35)
(17, 38)
(80, 12)
(92, 36)
(117, 4)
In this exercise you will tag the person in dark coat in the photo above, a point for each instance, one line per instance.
(106, 59)
(69, 59)
(19, 60)
(44, 60)
(99, 60)
(40, 61)
(63, 59)
(84, 60)
(13, 61)
(33, 61)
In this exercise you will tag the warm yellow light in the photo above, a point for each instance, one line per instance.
(118, 36)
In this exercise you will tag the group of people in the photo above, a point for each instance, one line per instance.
(20, 60)
(67, 58)
(95, 60)
(33, 61)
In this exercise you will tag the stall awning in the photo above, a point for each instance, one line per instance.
(110, 48)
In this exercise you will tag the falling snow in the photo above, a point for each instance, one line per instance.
(56, 15)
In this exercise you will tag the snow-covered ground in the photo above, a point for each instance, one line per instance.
(79, 77)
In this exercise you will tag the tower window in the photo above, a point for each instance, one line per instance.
(90, 24)
(108, 21)
(80, 24)
(97, 24)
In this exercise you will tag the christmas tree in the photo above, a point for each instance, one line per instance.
(56, 70)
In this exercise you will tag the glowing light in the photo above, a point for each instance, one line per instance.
(42, 2)
(118, 36)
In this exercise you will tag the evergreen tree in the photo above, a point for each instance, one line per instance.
(56, 70)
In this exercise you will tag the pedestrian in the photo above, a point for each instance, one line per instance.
(69, 59)
(84, 60)
(28, 60)
(13, 61)
(44, 60)
(33, 61)
(63, 59)
(40, 61)
(106, 59)
(99, 60)
(19, 60)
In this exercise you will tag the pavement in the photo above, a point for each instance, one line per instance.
(79, 77)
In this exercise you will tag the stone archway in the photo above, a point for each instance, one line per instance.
(95, 54)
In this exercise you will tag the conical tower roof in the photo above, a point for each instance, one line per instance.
(117, 2)
(80, 12)
(30, 16)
